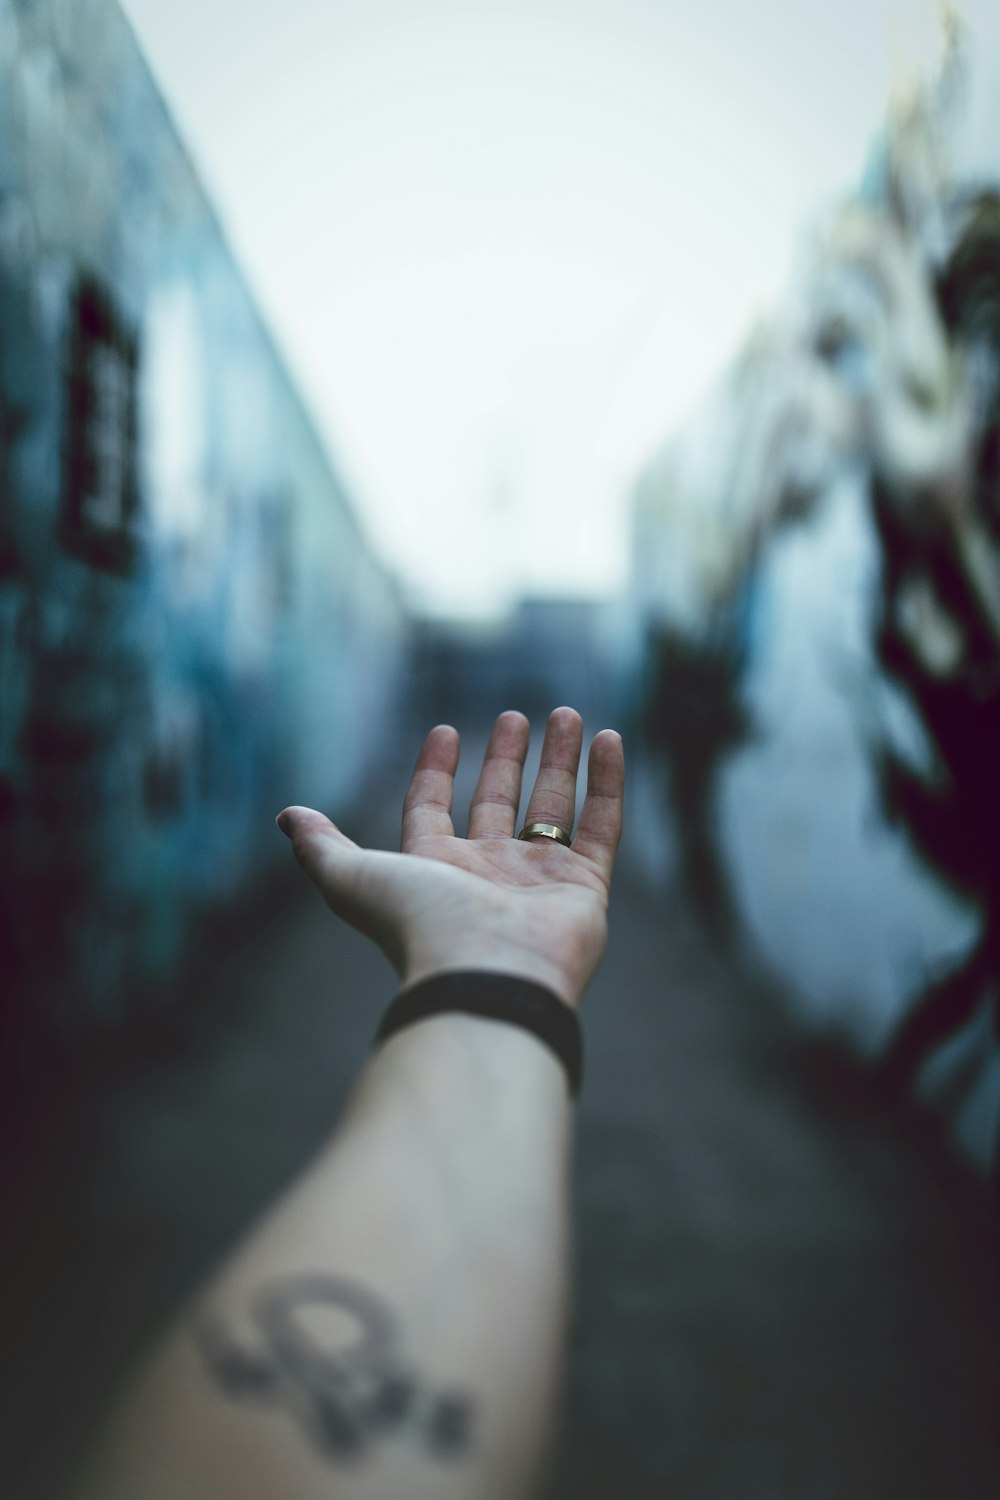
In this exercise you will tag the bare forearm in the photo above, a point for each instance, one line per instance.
(394, 1326)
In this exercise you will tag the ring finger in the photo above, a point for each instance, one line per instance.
(553, 799)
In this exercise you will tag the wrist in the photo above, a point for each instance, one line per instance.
(492, 996)
(477, 958)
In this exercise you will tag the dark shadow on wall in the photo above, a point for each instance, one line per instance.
(693, 718)
(952, 814)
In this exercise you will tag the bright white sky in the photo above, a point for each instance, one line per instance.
(505, 244)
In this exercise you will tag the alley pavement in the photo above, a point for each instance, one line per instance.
(786, 1289)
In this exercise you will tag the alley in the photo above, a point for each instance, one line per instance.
(785, 1290)
(363, 367)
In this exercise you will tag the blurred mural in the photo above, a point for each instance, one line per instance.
(192, 627)
(817, 620)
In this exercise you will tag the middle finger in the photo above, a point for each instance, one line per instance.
(493, 810)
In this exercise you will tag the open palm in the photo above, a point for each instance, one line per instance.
(489, 901)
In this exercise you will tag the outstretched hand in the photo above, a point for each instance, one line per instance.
(489, 901)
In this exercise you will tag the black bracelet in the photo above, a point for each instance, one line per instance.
(494, 997)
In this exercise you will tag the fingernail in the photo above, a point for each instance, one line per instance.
(284, 822)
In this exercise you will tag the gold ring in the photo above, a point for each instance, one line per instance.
(545, 831)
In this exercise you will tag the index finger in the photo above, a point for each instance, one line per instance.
(427, 809)
(599, 830)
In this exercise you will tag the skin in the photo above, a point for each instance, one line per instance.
(394, 1327)
(489, 900)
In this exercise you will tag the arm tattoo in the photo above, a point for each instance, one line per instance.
(345, 1399)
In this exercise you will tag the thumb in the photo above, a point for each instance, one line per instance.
(345, 875)
(328, 856)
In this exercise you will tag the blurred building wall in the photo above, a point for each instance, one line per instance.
(816, 637)
(193, 630)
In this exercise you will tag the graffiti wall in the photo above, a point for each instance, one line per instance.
(193, 630)
(817, 558)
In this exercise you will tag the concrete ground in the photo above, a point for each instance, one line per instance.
(786, 1291)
